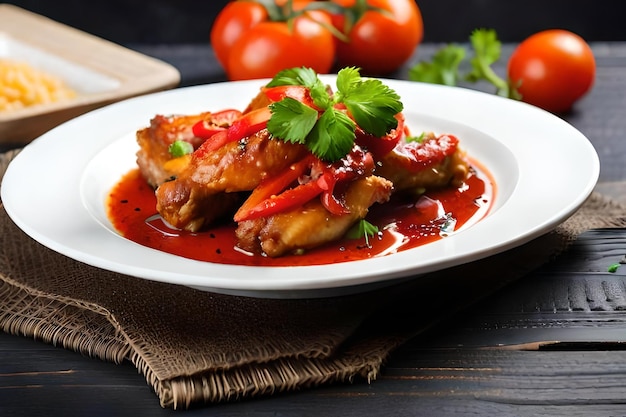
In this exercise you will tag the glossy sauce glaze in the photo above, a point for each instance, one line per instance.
(403, 224)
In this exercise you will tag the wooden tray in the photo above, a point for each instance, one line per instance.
(101, 72)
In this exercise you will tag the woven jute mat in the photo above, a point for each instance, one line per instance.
(196, 347)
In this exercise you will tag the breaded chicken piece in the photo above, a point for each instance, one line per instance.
(311, 225)
(208, 186)
(432, 163)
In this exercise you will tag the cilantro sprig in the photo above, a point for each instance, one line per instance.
(362, 229)
(487, 50)
(330, 133)
(445, 67)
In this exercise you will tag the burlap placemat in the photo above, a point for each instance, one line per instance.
(198, 347)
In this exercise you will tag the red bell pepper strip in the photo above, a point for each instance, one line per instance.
(356, 163)
(421, 155)
(267, 199)
(332, 204)
(248, 124)
(273, 186)
(217, 122)
(328, 181)
(381, 146)
(296, 92)
(285, 201)
(216, 141)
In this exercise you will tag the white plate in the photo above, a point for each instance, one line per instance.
(56, 187)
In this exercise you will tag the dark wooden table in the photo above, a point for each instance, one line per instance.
(489, 359)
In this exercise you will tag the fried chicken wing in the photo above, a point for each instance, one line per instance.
(312, 224)
(432, 163)
(207, 188)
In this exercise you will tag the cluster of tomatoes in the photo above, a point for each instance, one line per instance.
(257, 39)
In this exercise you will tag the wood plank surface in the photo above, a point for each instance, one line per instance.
(417, 381)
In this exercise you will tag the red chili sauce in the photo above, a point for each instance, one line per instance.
(403, 224)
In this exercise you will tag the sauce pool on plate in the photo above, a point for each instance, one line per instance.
(403, 223)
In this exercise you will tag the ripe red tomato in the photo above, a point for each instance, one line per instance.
(231, 23)
(379, 42)
(249, 44)
(552, 69)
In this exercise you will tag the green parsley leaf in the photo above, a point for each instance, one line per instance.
(613, 268)
(333, 135)
(444, 68)
(445, 65)
(347, 79)
(295, 76)
(330, 135)
(305, 77)
(291, 120)
(362, 229)
(321, 97)
(373, 106)
(179, 148)
(487, 50)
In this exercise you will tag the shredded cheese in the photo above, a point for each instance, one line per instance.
(22, 85)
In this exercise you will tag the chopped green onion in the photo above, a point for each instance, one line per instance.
(179, 148)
